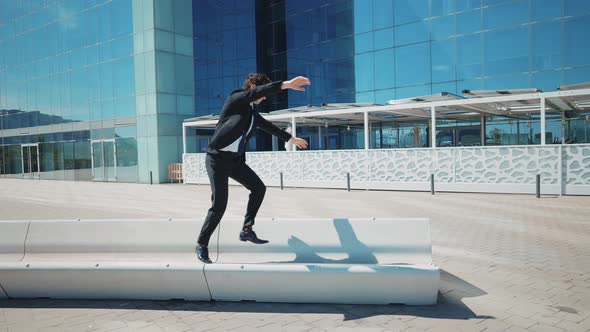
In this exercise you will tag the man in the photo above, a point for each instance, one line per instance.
(226, 153)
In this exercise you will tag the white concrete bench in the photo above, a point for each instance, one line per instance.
(12, 244)
(309, 260)
(131, 259)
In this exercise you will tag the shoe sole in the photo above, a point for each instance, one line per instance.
(254, 242)
(206, 262)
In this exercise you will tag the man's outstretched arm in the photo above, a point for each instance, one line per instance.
(249, 96)
(264, 90)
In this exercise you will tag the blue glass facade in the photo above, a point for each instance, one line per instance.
(94, 90)
(66, 79)
(225, 50)
(373, 51)
(320, 45)
(378, 50)
(98, 89)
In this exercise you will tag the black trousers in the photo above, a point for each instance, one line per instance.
(221, 167)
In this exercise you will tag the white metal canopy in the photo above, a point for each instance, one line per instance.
(510, 103)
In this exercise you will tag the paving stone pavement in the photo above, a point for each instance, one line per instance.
(509, 262)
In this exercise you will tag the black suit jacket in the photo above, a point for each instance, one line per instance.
(235, 117)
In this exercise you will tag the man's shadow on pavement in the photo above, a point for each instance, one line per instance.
(449, 305)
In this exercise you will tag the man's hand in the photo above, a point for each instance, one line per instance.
(296, 83)
(300, 143)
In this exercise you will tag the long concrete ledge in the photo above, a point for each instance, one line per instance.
(308, 260)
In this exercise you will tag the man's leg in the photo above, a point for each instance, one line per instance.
(243, 174)
(246, 177)
(218, 177)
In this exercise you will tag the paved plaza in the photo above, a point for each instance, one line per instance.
(508, 262)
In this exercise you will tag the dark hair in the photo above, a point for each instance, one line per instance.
(255, 78)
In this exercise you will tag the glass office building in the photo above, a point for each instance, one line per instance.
(373, 51)
(94, 90)
(97, 90)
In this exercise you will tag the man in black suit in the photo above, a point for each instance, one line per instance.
(226, 153)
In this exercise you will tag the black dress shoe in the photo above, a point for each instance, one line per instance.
(251, 236)
(203, 254)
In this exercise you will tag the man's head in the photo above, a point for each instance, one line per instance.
(253, 80)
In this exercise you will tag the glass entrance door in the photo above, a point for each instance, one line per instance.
(104, 161)
(30, 161)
